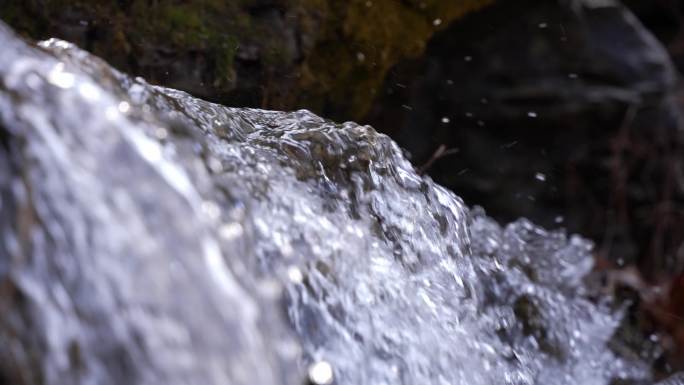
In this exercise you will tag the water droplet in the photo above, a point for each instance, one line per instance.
(124, 107)
(89, 91)
(230, 231)
(509, 145)
(161, 133)
(321, 373)
(295, 275)
(211, 209)
(60, 78)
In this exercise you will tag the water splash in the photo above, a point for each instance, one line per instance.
(151, 237)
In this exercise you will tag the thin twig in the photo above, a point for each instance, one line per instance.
(440, 152)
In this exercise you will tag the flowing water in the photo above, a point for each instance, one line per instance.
(148, 237)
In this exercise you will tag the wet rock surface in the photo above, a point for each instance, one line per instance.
(151, 237)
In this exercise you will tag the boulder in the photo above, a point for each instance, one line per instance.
(566, 114)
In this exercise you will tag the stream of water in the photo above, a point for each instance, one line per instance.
(148, 237)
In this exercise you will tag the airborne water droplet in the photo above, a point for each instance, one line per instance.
(321, 373)
(294, 274)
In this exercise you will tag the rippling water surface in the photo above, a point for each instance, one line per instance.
(148, 237)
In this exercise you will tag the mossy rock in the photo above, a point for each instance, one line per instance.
(325, 55)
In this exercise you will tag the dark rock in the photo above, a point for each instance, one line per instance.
(326, 56)
(665, 18)
(565, 114)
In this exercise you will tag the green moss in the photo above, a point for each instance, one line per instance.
(342, 53)
(381, 32)
(182, 24)
(24, 22)
(224, 48)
